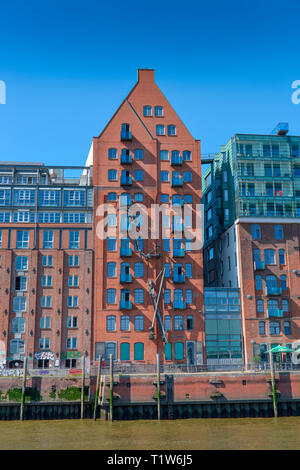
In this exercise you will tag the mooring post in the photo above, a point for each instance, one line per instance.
(82, 386)
(273, 384)
(158, 386)
(111, 395)
(97, 387)
(23, 389)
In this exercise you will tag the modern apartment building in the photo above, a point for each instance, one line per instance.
(145, 156)
(46, 264)
(252, 227)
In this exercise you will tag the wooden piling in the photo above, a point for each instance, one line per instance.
(97, 387)
(82, 386)
(111, 395)
(273, 384)
(158, 386)
(23, 389)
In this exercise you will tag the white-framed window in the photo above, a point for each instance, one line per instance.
(125, 323)
(48, 217)
(44, 343)
(74, 260)
(164, 155)
(22, 239)
(187, 156)
(147, 111)
(47, 260)
(160, 129)
(47, 239)
(21, 283)
(46, 301)
(178, 322)
(112, 175)
(17, 346)
(74, 218)
(4, 216)
(18, 325)
(139, 323)
(21, 263)
(171, 129)
(158, 111)
(72, 301)
(74, 198)
(112, 154)
(74, 240)
(45, 323)
(72, 322)
(71, 342)
(46, 281)
(19, 304)
(111, 323)
(111, 296)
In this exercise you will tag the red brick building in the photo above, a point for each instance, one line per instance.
(146, 155)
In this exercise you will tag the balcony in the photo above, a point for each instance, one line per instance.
(176, 160)
(126, 159)
(177, 181)
(178, 278)
(179, 304)
(124, 277)
(125, 251)
(275, 313)
(126, 135)
(126, 180)
(125, 305)
(178, 253)
(259, 265)
(273, 290)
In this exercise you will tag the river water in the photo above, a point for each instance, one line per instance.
(189, 434)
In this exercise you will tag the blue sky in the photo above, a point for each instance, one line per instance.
(225, 66)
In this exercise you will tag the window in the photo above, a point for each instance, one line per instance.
(147, 111)
(158, 111)
(188, 270)
(138, 351)
(112, 154)
(21, 263)
(258, 282)
(47, 239)
(226, 215)
(225, 178)
(187, 177)
(21, 283)
(45, 322)
(111, 220)
(74, 240)
(225, 195)
(73, 260)
(138, 323)
(186, 155)
(46, 301)
(138, 154)
(269, 256)
(255, 231)
(283, 283)
(17, 346)
(278, 232)
(73, 281)
(171, 129)
(188, 199)
(4, 216)
(164, 176)
(167, 268)
(112, 175)
(139, 244)
(44, 343)
(281, 257)
(73, 301)
(229, 263)
(260, 306)
(167, 296)
(112, 197)
(178, 322)
(110, 349)
(125, 324)
(160, 129)
(139, 270)
(24, 197)
(168, 352)
(189, 323)
(166, 244)
(189, 296)
(262, 328)
(124, 351)
(138, 296)
(22, 239)
(138, 175)
(18, 325)
(111, 323)
(179, 351)
(111, 244)
(71, 343)
(164, 155)
(188, 244)
(74, 198)
(274, 328)
(287, 328)
(46, 281)
(285, 305)
(164, 198)
(73, 218)
(111, 296)
(111, 269)
(72, 322)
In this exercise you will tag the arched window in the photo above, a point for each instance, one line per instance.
(111, 323)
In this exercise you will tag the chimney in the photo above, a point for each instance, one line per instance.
(146, 75)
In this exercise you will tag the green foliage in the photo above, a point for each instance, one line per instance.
(31, 394)
(71, 393)
(14, 394)
(52, 394)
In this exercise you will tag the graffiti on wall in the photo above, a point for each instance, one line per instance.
(70, 355)
(44, 355)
